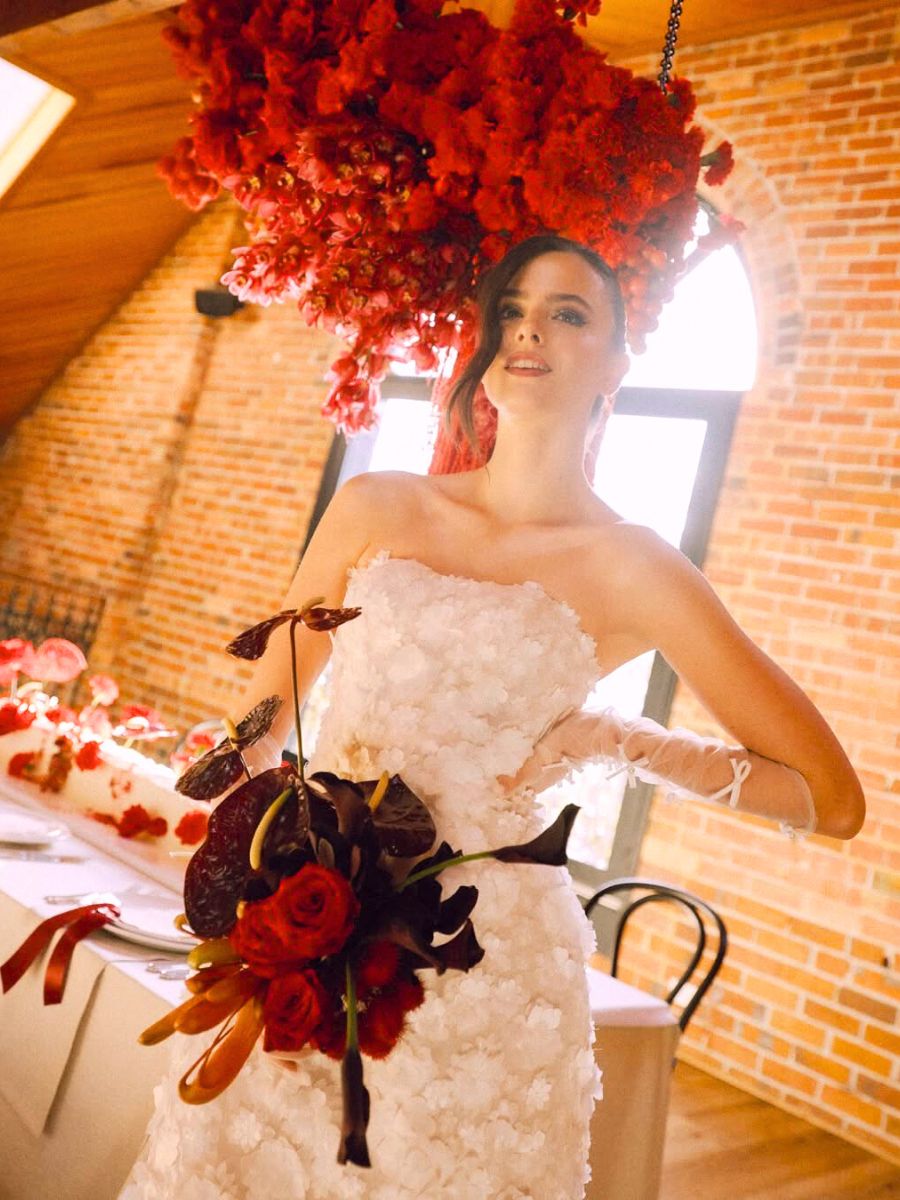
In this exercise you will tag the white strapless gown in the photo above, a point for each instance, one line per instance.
(488, 1095)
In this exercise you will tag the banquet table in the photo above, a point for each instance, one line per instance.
(76, 1087)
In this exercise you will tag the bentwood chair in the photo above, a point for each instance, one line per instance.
(704, 916)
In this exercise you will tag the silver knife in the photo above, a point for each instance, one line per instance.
(39, 856)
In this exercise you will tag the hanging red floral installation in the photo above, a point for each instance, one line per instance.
(388, 151)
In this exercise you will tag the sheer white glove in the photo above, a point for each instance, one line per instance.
(686, 764)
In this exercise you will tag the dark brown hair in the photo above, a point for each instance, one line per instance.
(491, 287)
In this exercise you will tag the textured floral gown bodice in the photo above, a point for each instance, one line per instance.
(448, 682)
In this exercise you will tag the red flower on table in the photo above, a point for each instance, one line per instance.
(88, 757)
(311, 914)
(60, 713)
(14, 717)
(191, 829)
(294, 1005)
(135, 821)
(23, 764)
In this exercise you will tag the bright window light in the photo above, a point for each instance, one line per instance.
(706, 339)
(30, 110)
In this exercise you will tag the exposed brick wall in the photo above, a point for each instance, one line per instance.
(173, 468)
(175, 463)
(804, 554)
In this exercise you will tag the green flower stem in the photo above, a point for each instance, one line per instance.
(352, 1034)
(436, 867)
(294, 623)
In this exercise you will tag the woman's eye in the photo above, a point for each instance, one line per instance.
(507, 311)
(571, 316)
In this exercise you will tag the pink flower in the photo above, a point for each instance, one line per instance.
(104, 689)
(57, 660)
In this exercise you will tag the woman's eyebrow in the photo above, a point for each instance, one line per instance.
(554, 296)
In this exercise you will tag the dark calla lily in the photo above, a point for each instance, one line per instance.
(549, 847)
(353, 1147)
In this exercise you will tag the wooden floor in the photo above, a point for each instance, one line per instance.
(723, 1144)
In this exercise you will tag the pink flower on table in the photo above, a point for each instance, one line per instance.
(16, 656)
(104, 689)
(96, 721)
(57, 660)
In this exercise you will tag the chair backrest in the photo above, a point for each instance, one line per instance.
(657, 891)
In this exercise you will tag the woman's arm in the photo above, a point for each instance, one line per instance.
(337, 544)
(673, 608)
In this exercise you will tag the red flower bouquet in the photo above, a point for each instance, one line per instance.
(313, 933)
(387, 152)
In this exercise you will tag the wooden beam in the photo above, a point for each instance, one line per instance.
(72, 16)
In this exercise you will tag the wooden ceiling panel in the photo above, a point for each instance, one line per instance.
(89, 217)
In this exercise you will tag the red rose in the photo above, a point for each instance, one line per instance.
(294, 1005)
(14, 718)
(310, 915)
(22, 765)
(88, 757)
(191, 829)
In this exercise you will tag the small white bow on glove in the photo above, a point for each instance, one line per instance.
(704, 768)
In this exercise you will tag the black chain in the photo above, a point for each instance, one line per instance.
(665, 66)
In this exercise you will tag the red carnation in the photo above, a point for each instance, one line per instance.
(88, 757)
(135, 821)
(310, 915)
(191, 829)
(57, 660)
(718, 164)
(23, 764)
(382, 1023)
(14, 717)
(386, 991)
(293, 1007)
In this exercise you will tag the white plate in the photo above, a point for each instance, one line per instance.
(147, 918)
(20, 830)
(177, 945)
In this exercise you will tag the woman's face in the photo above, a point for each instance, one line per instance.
(558, 349)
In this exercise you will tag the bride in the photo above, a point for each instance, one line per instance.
(492, 601)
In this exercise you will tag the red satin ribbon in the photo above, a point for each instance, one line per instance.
(77, 923)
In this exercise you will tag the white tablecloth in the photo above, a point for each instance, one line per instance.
(76, 1087)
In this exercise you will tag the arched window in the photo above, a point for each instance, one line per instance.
(661, 464)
